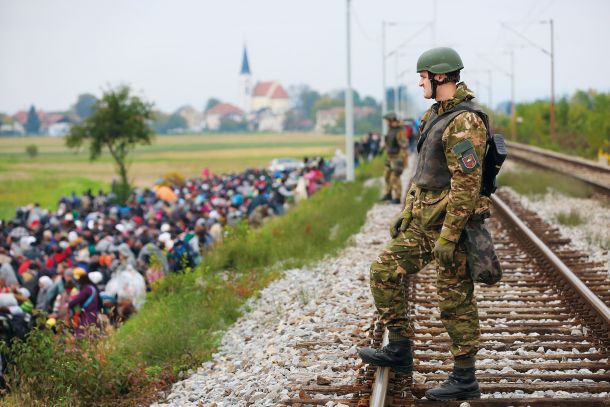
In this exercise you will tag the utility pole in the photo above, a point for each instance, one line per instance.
(384, 101)
(349, 104)
(490, 82)
(434, 23)
(513, 108)
(394, 52)
(551, 54)
(552, 116)
(397, 85)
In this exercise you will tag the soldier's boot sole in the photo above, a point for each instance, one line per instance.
(463, 395)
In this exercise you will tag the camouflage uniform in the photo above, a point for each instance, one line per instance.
(438, 212)
(396, 144)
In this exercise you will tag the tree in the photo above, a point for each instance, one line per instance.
(32, 125)
(118, 123)
(84, 105)
(31, 150)
(211, 103)
(164, 123)
(175, 122)
(230, 125)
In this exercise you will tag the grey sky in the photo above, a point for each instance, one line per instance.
(185, 51)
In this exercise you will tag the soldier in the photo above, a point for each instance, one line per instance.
(396, 144)
(443, 195)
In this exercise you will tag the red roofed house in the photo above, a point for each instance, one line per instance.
(51, 123)
(270, 95)
(222, 110)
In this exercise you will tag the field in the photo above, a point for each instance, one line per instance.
(58, 171)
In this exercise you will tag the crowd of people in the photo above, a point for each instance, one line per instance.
(92, 260)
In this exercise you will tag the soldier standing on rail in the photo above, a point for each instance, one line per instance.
(444, 194)
(396, 144)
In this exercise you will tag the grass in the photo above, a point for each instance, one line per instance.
(535, 182)
(184, 318)
(42, 189)
(571, 218)
(58, 171)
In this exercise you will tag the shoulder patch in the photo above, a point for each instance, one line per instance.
(466, 156)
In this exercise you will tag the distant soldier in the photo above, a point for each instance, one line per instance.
(396, 144)
(444, 194)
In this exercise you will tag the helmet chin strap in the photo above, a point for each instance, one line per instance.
(435, 83)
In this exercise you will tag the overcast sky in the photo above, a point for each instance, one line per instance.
(185, 51)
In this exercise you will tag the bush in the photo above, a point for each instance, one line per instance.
(31, 150)
(52, 369)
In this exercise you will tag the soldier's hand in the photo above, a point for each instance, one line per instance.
(400, 223)
(443, 251)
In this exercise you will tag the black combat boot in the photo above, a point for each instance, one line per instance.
(386, 197)
(395, 201)
(461, 385)
(396, 355)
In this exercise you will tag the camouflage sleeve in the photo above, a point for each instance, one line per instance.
(410, 198)
(401, 137)
(464, 141)
(424, 119)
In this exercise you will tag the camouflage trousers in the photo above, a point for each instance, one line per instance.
(407, 254)
(391, 174)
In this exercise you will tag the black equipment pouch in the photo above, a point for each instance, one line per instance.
(494, 158)
(482, 261)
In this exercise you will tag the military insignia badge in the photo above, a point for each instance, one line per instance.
(469, 161)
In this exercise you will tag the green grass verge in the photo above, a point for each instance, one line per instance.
(535, 182)
(185, 316)
(44, 188)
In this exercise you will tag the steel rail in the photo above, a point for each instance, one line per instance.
(380, 384)
(515, 149)
(602, 311)
(563, 157)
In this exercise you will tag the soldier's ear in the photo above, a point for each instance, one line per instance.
(440, 77)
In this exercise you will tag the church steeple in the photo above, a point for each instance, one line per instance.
(245, 83)
(245, 65)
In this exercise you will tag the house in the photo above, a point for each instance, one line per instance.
(328, 117)
(59, 129)
(47, 120)
(12, 129)
(55, 124)
(270, 95)
(266, 120)
(221, 111)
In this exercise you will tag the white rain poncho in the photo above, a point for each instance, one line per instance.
(128, 284)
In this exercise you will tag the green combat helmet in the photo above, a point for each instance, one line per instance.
(390, 116)
(440, 60)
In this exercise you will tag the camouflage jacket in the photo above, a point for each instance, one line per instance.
(463, 199)
(396, 141)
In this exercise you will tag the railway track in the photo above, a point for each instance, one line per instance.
(545, 330)
(587, 171)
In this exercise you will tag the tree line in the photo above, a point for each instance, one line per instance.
(582, 123)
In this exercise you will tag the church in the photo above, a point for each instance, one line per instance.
(265, 104)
